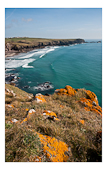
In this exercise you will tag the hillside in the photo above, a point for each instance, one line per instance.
(17, 45)
(63, 127)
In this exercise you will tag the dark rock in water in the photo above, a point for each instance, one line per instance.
(44, 86)
(9, 78)
(18, 77)
(92, 42)
(26, 86)
(13, 79)
(98, 41)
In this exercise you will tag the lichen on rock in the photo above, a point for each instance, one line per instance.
(30, 113)
(55, 149)
(40, 98)
(50, 115)
(90, 107)
(82, 121)
(68, 90)
(92, 96)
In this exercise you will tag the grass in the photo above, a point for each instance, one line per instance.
(81, 138)
(29, 42)
(21, 145)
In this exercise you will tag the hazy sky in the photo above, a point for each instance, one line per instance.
(83, 23)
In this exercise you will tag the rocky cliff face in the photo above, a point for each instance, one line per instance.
(21, 46)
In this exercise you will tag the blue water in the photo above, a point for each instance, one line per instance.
(79, 66)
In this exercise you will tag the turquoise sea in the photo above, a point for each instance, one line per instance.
(79, 66)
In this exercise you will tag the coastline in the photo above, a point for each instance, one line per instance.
(15, 46)
(12, 53)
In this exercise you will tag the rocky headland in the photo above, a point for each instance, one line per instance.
(15, 46)
(63, 127)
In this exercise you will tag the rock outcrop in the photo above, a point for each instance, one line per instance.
(30, 113)
(39, 98)
(50, 115)
(56, 150)
(90, 102)
(68, 90)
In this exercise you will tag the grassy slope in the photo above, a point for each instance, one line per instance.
(30, 41)
(22, 145)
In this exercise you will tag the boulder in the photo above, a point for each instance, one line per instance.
(50, 115)
(61, 91)
(14, 120)
(90, 107)
(10, 105)
(92, 96)
(30, 113)
(39, 98)
(71, 91)
(55, 150)
(68, 90)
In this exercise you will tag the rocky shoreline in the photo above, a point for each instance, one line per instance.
(12, 49)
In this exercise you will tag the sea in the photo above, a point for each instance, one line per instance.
(44, 70)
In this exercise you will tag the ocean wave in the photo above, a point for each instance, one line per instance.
(56, 47)
(41, 55)
(26, 66)
(17, 63)
(71, 45)
(52, 49)
(28, 55)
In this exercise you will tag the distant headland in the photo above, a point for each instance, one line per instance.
(17, 45)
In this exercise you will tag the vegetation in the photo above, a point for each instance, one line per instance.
(76, 128)
(31, 40)
(24, 42)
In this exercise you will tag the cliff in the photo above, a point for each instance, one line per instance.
(17, 45)
(63, 127)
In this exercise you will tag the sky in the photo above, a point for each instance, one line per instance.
(62, 23)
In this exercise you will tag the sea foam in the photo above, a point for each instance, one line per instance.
(26, 66)
(28, 55)
(52, 49)
(18, 63)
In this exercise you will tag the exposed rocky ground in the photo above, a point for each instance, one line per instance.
(63, 127)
